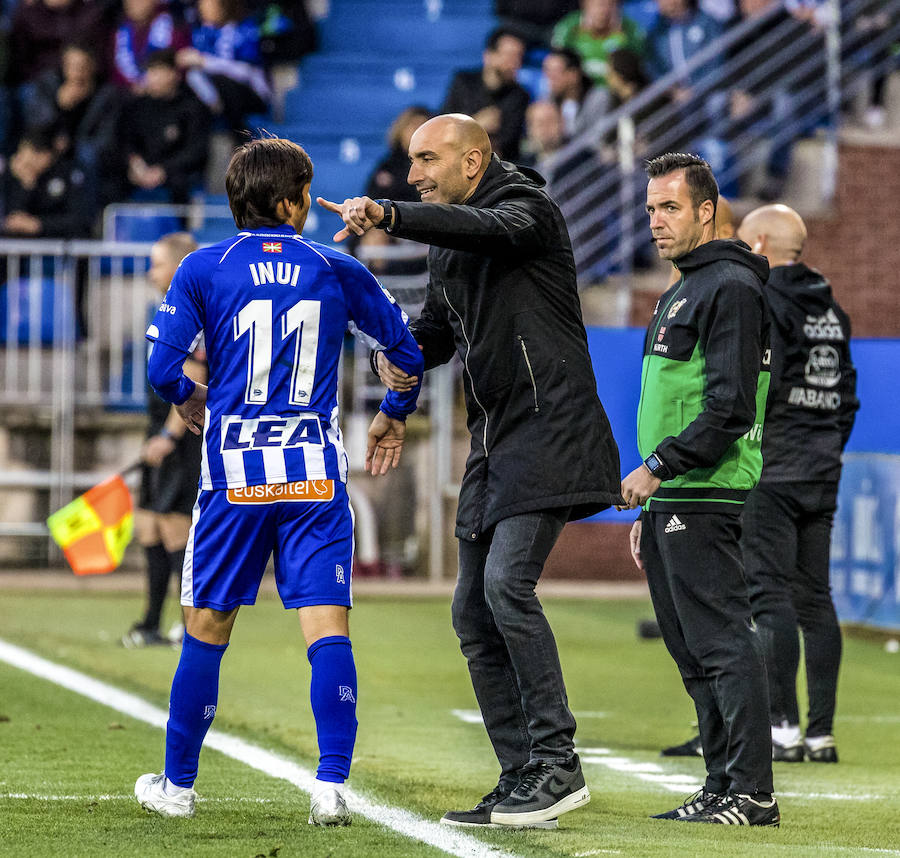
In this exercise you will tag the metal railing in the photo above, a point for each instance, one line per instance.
(604, 207)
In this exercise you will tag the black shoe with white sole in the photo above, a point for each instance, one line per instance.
(693, 804)
(480, 815)
(820, 749)
(787, 753)
(544, 792)
(740, 810)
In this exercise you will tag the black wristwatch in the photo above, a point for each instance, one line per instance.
(657, 467)
(388, 218)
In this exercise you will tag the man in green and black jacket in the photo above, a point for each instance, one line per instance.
(703, 393)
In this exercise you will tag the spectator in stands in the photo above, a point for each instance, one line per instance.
(772, 98)
(286, 29)
(544, 149)
(44, 193)
(40, 28)
(680, 31)
(491, 95)
(594, 32)
(164, 134)
(171, 469)
(81, 111)
(627, 78)
(388, 180)
(533, 20)
(224, 66)
(145, 26)
(580, 102)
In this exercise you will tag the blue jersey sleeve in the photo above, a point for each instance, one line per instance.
(179, 320)
(375, 313)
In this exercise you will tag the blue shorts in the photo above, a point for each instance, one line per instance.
(234, 531)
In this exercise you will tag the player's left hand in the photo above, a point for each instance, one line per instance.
(193, 409)
(637, 487)
(360, 214)
(385, 442)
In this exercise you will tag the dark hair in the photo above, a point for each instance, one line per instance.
(698, 174)
(261, 174)
(39, 138)
(571, 58)
(498, 33)
(162, 57)
(627, 64)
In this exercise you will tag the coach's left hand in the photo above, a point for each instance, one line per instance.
(360, 214)
(637, 487)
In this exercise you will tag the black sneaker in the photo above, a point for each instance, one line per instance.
(544, 792)
(820, 749)
(693, 804)
(480, 815)
(691, 748)
(740, 810)
(787, 753)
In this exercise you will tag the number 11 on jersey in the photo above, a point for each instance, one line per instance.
(255, 320)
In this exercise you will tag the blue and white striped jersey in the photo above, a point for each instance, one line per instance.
(274, 308)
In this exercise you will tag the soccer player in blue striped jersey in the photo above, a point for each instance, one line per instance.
(273, 308)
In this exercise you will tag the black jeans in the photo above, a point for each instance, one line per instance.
(693, 565)
(787, 548)
(509, 645)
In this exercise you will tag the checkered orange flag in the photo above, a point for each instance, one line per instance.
(95, 528)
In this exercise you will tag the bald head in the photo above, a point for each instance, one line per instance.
(449, 155)
(775, 231)
(724, 219)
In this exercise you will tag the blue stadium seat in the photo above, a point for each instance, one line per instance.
(367, 28)
(45, 328)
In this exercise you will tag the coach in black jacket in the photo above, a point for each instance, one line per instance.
(502, 295)
(788, 516)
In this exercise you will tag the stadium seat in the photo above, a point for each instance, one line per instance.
(55, 311)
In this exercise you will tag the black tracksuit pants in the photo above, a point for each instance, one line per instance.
(694, 569)
(787, 543)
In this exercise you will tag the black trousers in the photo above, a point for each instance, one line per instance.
(787, 543)
(509, 645)
(695, 573)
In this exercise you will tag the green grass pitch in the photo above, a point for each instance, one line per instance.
(68, 764)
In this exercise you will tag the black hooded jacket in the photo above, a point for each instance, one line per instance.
(502, 295)
(812, 401)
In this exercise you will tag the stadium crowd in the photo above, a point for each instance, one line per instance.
(137, 86)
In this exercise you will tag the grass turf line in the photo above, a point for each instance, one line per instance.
(413, 752)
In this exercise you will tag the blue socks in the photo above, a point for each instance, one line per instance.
(192, 707)
(332, 692)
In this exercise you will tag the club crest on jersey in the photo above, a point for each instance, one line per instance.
(346, 693)
(209, 712)
(271, 247)
(673, 310)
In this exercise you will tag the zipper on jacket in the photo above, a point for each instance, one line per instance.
(466, 365)
(659, 320)
(530, 372)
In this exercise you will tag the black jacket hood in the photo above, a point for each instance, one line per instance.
(501, 173)
(730, 249)
(801, 285)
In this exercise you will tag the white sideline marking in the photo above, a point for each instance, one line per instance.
(402, 821)
(39, 797)
(674, 781)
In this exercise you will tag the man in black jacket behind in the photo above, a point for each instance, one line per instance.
(502, 295)
(788, 516)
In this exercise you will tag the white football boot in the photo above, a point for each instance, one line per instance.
(150, 791)
(327, 805)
